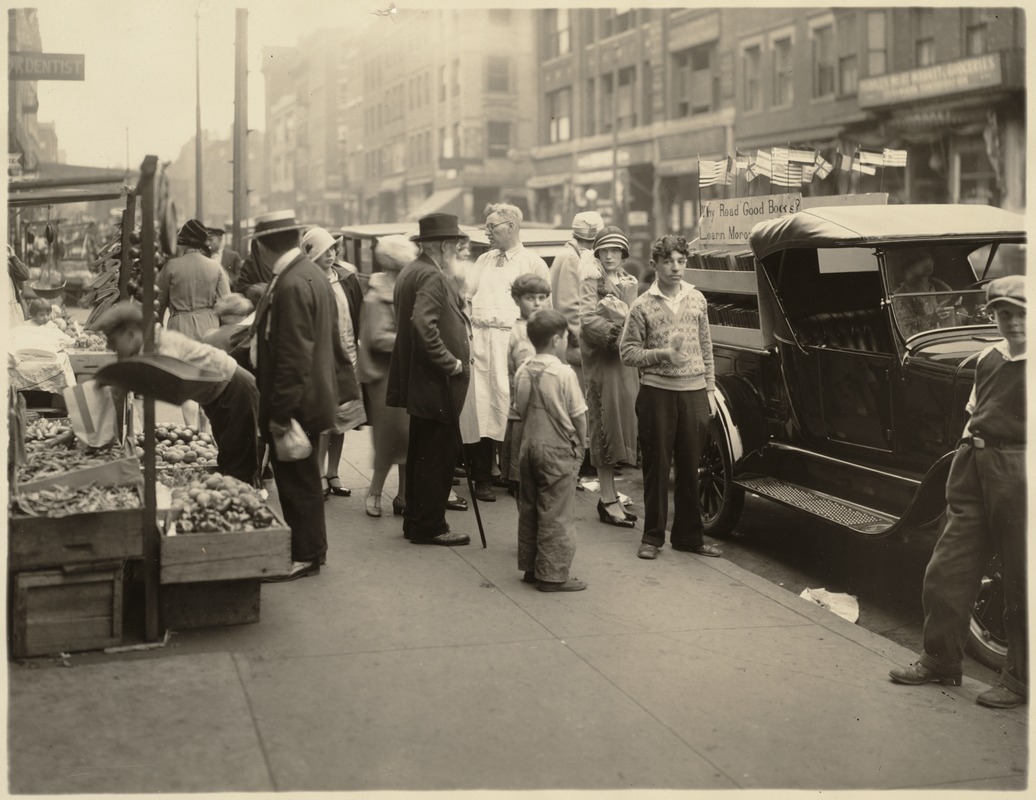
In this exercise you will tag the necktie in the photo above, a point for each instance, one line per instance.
(501, 260)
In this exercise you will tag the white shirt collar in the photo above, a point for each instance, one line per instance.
(1003, 349)
(685, 288)
(509, 254)
(285, 259)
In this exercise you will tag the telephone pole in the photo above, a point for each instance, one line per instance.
(240, 197)
(199, 213)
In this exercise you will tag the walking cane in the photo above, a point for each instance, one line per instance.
(464, 463)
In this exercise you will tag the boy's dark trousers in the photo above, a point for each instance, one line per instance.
(671, 425)
(985, 512)
(547, 490)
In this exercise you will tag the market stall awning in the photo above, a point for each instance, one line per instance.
(47, 197)
(48, 175)
(444, 201)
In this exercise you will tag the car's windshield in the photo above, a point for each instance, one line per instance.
(935, 287)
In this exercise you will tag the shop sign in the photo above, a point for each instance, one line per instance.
(46, 67)
(727, 222)
(965, 75)
(597, 176)
(602, 159)
(637, 219)
(865, 199)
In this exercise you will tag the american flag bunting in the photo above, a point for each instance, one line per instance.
(894, 158)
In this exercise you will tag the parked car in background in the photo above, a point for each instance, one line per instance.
(359, 243)
(845, 348)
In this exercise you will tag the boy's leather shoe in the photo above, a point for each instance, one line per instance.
(448, 539)
(647, 551)
(917, 674)
(1000, 697)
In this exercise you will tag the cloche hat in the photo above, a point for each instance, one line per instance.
(586, 225)
(192, 234)
(318, 241)
(612, 237)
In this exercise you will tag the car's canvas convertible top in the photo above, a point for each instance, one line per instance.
(860, 226)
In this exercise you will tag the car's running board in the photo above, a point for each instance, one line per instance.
(849, 515)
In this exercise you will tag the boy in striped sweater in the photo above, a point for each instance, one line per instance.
(667, 338)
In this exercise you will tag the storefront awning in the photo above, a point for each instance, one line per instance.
(546, 181)
(596, 176)
(444, 201)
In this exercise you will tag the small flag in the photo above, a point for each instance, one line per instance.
(894, 158)
(807, 173)
(731, 171)
(822, 167)
(711, 172)
(741, 161)
(780, 155)
(750, 174)
(865, 169)
(787, 174)
(845, 162)
(875, 158)
(800, 155)
(763, 163)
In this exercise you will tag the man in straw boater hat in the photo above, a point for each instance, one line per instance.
(303, 375)
(428, 376)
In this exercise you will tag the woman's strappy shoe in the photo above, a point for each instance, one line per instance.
(608, 519)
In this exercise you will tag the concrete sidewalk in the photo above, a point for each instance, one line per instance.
(403, 667)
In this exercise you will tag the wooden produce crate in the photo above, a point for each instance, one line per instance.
(120, 472)
(62, 612)
(87, 362)
(242, 555)
(55, 542)
(209, 603)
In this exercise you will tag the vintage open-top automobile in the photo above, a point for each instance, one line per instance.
(848, 401)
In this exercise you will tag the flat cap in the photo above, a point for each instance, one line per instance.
(1008, 289)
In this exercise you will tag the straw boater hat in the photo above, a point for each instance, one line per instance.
(438, 226)
(275, 222)
(318, 241)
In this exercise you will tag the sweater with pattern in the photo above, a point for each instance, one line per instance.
(649, 330)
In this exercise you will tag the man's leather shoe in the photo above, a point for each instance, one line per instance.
(1000, 697)
(448, 539)
(484, 492)
(299, 569)
(916, 674)
(648, 551)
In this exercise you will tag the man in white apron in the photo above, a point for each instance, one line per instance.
(493, 313)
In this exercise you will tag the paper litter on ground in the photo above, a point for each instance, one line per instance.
(595, 486)
(844, 605)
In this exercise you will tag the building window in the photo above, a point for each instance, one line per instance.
(500, 16)
(627, 110)
(783, 90)
(752, 57)
(559, 113)
(455, 77)
(877, 47)
(498, 74)
(590, 115)
(442, 83)
(975, 32)
(445, 145)
(823, 61)
(498, 137)
(458, 144)
(607, 103)
(924, 37)
(616, 21)
(847, 49)
(558, 31)
(646, 93)
(977, 177)
(695, 80)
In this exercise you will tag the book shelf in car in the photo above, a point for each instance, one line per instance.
(730, 283)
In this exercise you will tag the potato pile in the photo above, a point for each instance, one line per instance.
(219, 504)
(181, 444)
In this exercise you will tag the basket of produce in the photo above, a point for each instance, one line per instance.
(65, 501)
(163, 377)
(220, 529)
(181, 444)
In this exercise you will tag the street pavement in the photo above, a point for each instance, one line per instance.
(407, 668)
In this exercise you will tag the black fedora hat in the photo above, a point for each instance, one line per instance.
(438, 226)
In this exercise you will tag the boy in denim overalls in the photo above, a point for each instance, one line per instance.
(552, 440)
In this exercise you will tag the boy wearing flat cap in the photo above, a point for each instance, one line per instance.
(985, 513)
(232, 406)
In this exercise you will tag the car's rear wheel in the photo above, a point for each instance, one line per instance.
(720, 499)
(987, 636)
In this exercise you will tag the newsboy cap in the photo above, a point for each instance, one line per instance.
(1009, 289)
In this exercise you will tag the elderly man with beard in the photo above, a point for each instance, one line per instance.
(428, 376)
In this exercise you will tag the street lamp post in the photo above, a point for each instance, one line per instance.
(198, 210)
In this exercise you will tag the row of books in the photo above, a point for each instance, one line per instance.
(738, 260)
(737, 315)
